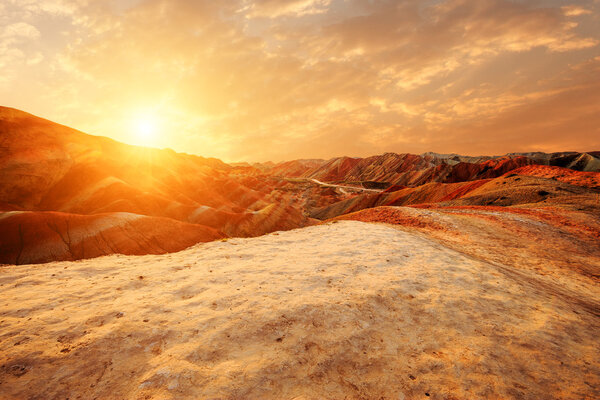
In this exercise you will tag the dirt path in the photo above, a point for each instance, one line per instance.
(343, 188)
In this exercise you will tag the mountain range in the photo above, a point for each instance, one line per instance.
(67, 195)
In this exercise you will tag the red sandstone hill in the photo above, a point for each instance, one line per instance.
(49, 167)
(414, 170)
(64, 182)
(527, 185)
(577, 178)
(33, 236)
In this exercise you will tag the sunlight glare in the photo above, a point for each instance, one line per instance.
(146, 129)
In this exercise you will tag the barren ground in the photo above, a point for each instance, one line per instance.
(345, 310)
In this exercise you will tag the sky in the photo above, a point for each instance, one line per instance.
(258, 80)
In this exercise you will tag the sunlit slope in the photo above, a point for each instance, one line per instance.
(49, 167)
(529, 186)
(445, 305)
(414, 170)
(37, 154)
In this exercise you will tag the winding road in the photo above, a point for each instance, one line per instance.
(344, 187)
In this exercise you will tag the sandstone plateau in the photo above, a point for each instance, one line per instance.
(138, 273)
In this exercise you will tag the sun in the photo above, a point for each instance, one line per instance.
(145, 128)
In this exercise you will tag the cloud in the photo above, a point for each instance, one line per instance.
(267, 79)
(574, 11)
(12, 37)
(278, 8)
(19, 30)
(35, 59)
(30, 8)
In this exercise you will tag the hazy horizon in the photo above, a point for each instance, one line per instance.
(316, 158)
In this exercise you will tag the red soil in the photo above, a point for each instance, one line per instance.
(464, 189)
(394, 188)
(35, 237)
(391, 215)
(552, 215)
(578, 178)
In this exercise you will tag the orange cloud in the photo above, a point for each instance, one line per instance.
(259, 80)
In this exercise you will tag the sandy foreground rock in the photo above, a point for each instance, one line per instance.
(346, 310)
